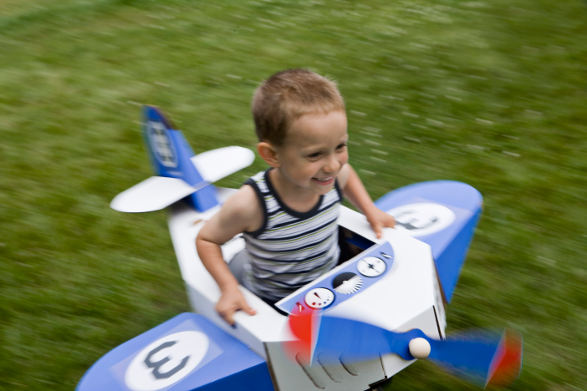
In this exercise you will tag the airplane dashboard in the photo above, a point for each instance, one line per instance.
(343, 282)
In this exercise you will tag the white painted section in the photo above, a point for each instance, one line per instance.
(152, 194)
(218, 163)
(291, 375)
(403, 293)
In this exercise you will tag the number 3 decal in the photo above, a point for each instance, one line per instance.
(166, 361)
(158, 364)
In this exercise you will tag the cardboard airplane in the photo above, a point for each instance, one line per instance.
(351, 329)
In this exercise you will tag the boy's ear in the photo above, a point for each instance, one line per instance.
(268, 153)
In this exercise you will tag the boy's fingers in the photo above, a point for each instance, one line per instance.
(226, 311)
(377, 228)
(227, 316)
(249, 310)
(390, 222)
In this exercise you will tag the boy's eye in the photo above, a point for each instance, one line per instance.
(315, 155)
(341, 147)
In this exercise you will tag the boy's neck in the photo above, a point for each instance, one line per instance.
(292, 196)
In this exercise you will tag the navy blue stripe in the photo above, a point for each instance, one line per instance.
(301, 234)
(293, 250)
(339, 191)
(313, 267)
(261, 200)
(283, 206)
(295, 221)
(276, 211)
(286, 286)
(287, 260)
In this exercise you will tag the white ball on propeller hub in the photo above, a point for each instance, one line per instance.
(419, 347)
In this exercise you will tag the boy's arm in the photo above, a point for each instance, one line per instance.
(356, 193)
(238, 214)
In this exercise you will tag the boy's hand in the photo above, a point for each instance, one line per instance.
(230, 301)
(378, 220)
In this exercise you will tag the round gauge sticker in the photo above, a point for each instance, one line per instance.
(347, 283)
(317, 298)
(371, 266)
(422, 218)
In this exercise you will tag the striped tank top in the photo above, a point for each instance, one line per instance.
(291, 248)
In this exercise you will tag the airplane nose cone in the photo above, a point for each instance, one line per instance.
(419, 348)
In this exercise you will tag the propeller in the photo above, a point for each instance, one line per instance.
(481, 357)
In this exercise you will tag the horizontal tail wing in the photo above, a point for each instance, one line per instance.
(218, 163)
(154, 193)
(180, 173)
(158, 192)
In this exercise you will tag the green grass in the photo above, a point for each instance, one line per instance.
(491, 93)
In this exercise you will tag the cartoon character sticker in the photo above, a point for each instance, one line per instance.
(423, 218)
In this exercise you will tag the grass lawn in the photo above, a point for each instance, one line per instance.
(492, 93)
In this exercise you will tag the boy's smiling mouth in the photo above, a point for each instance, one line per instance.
(324, 181)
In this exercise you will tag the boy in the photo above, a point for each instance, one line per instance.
(288, 214)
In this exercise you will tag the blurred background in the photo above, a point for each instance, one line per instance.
(491, 93)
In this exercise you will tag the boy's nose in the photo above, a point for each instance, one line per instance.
(332, 165)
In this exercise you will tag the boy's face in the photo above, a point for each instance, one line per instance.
(314, 151)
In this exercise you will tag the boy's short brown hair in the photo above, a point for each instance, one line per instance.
(286, 96)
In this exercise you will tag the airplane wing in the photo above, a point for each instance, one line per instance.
(186, 352)
(215, 164)
(154, 193)
(442, 214)
(158, 192)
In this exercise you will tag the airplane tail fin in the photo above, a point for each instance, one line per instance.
(171, 156)
(179, 172)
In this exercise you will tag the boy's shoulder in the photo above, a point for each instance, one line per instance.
(258, 180)
(244, 200)
(243, 208)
